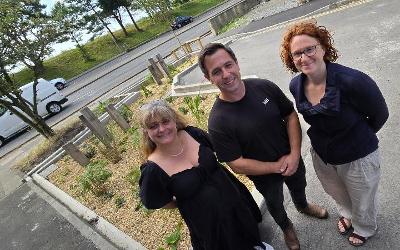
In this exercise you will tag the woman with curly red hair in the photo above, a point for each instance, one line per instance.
(345, 110)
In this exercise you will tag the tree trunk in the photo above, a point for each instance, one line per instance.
(114, 38)
(81, 49)
(133, 20)
(120, 24)
(35, 122)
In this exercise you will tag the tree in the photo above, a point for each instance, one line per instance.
(127, 4)
(95, 22)
(26, 36)
(111, 8)
(160, 9)
(73, 21)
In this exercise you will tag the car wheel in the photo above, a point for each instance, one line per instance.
(179, 25)
(53, 108)
(2, 141)
(59, 85)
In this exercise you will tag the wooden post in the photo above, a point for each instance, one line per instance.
(117, 117)
(200, 43)
(91, 121)
(77, 155)
(188, 48)
(163, 66)
(153, 63)
(154, 74)
(175, 55)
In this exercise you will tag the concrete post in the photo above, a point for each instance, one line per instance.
(117, 117)
(77, 155)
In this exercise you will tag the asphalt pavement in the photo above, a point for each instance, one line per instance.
(367, 36)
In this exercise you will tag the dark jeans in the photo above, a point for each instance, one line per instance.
(271, 187)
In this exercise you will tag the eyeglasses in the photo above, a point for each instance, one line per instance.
(309, 51)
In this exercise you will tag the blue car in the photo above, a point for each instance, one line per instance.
(181, 21)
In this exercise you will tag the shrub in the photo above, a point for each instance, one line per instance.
(126, 113)
(193, 104)
(173, 239)
(94, 177)
(120, 201)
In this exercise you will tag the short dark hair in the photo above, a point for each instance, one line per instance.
(209, 50)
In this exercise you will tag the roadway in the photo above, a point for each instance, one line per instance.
(123, 71)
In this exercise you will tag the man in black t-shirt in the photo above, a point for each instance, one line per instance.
(255, 130)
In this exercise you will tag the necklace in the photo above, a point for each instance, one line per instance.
(178, 154)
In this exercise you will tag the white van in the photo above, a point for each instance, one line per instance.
(49, 102)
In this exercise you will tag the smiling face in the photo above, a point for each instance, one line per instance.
(162, 130)
(224, 72)
(308, 64)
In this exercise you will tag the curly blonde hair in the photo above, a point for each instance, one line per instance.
(309, 28)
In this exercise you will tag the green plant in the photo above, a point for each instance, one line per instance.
(172, 70)
(101, 108)
(126, 112)
(145, 91)
(140, 206)
(173, 239)
(169, 99)
(193, 103)
(94, 177)
(135, 136)
(119, 201)
(133, 178)
(183, 110)
(89, 150)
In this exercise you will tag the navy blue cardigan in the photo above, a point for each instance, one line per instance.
(345, 122)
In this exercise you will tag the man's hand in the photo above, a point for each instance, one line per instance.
(290, 164)
(280, 166)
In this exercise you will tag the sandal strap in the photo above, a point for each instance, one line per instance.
(357, 236)
(344, 224)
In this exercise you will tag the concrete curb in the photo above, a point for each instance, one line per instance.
(108, 230)
(197, 87)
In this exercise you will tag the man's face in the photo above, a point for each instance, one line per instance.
(223, 71)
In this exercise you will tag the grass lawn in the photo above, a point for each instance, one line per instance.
(71, 63)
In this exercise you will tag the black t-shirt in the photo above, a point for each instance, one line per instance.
(252, 127)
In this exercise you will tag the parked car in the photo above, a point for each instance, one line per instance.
(181, 21)
(49, 101)
(59, 83)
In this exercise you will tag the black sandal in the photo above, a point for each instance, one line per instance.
(346, 227)
(359, 237)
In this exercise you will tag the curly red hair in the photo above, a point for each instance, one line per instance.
(309, 28)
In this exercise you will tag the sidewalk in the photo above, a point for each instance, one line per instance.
(31, 219)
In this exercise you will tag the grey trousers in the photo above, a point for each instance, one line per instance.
(354, 188)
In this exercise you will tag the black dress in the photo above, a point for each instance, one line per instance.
(218, 209)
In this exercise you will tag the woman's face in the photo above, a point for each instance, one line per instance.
(307, 54)
(162, 130)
